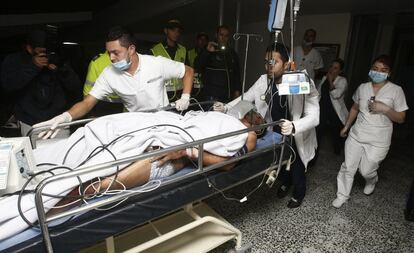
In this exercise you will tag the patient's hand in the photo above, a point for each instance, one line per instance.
(169, 156)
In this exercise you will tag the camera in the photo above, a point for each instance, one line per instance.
(220, 48)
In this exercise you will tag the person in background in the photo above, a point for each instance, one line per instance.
(42, 86)
(137, 79)
(112, 103)
(201, 43)
(333, 111)
(300, 115)
(219, 65)
(377, 104)
(306, 57)
(171, 49)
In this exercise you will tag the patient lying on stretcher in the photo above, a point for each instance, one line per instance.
(155, 168)
(121, 136)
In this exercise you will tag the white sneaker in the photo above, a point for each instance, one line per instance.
(338, 202)
(369, 188)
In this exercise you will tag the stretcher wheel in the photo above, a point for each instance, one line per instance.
(245, 248)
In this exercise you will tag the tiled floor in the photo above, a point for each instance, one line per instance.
(364, 224)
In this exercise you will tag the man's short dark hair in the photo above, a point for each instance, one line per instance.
(340, 62)
(222, 27)
(125, 37)
(202, 34)
(310, 30)
(281, 49)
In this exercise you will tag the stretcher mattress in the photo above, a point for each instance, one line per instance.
(94, 226)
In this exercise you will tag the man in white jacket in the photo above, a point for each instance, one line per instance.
(300, 114)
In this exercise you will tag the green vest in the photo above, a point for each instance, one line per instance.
(95, 68)
(197, 83)
(180, 54)
(192, 54)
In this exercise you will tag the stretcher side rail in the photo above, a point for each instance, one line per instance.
(33, 131)
(82, 170)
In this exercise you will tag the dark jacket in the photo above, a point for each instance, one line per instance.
(40, 93)
(221, 73)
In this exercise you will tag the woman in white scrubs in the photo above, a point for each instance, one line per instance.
(377, 104)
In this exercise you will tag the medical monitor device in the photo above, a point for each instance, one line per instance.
(276, 15)
(16, 163)
(294, 83)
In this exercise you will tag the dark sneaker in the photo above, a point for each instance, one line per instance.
(293, 203)
(282, 191)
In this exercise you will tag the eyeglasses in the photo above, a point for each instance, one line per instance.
(269, 62)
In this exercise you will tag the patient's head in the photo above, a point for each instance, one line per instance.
(246, 112)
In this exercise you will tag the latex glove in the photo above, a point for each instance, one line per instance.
(287, 127)
(183, 103)
(219, 107)
(378, 107)
(53, 123)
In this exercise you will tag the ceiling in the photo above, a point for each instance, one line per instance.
(16, 17)
(49, 6)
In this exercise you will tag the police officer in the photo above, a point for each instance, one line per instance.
(171, 49)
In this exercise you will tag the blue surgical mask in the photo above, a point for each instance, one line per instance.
(377, 77)
(307, 43)
(122, 65)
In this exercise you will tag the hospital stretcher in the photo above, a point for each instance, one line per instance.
(138, 213)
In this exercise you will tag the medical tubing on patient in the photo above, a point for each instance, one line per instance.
(93, 153)
(101, 148)
(23, 191)
(82, 193)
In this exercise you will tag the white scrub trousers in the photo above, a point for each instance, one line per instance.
(359, 155)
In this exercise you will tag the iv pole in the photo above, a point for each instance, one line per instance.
(292, 18)
(237, 36)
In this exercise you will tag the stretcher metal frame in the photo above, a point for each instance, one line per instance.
(44, 221)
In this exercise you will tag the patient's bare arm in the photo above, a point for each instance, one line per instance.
(209, 159)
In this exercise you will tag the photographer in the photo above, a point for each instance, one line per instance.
(41, 87)
(220, 68)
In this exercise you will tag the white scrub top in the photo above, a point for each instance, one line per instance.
(376, 128)
(310, 62)
(144, 89)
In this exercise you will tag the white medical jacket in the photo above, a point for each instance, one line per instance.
(310, 62)
(304, 113)
(337, 96)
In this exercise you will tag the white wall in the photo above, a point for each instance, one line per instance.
(332, 28)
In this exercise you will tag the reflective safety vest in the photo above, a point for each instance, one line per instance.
(159, 50)
(191, 55)
(95, 68)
